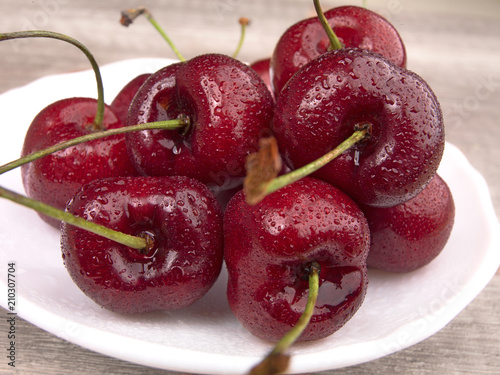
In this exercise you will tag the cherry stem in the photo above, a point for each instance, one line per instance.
(134, 242)
(277, 361)
(244, 23)
(129, 16)
(334, 40)
(97, 124)
(180, 123)
(362, 131)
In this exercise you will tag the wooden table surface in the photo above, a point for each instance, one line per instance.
(454, 45)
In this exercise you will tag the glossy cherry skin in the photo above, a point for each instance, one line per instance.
(185, 222)
(262, 67)
(320, 106)
(122, 100)
(354, 26)
(54, 179)
(270, 246)
(229, 107)
(409, 236)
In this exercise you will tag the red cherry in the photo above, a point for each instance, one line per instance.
(262, 68)
(229, 106)
(409, 236)
(269, 248)
(354, 27)
(55, 178)
(328, 98)
(362, 28)
(182, 222)
(122, 100)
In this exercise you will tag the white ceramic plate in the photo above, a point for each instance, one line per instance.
(399, 310)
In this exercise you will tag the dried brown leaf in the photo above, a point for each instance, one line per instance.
(274, 363)
(262, 167)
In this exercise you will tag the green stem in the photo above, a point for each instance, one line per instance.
(171, 124)
(277, 361)
(244, 23)
(292, 335)
(362, 131)
(134, 242)
(129, 15)
(334, 41)
(97, 125)
(165, 36)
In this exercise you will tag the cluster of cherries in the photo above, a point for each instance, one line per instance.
(150, 216)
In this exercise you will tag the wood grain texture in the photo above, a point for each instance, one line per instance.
(454, 45)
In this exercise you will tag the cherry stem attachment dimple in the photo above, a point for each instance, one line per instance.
(97, 124)
(362, 131)
(334, 40)
(129, 16)
(179, 123)
(277, 360)
(134, 242)
(243, 21)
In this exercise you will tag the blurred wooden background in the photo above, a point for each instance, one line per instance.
(454, 45)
